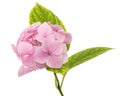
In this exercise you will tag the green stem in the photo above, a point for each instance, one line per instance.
(57, 83)
(63, 79)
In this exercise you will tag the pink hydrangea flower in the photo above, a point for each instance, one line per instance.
(42, 45)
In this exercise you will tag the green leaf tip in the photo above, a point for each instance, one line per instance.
(79, 58)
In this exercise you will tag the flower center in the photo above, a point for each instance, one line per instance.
(49, 53)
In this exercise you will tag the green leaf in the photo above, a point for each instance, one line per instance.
(79, 58)
(42, 14)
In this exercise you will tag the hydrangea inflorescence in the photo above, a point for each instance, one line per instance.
(42, 45)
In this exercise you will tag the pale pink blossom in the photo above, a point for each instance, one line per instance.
(42, 45)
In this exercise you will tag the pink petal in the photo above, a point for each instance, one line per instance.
(25, 48)
(27, 60)
(29, 36)
(64, 49)
(39, 55)
(39, 66)
(39, 38)
(68, 38)
(60, 37)
(26, 69)
(44, 37)
(49, 45)
(54, 61)
(45, 28)
(60, 48)
(36, 25)
(56, 28)
(65, 58)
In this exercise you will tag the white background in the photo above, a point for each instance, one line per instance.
(91, 23)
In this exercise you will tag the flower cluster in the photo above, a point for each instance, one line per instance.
(42, 45)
